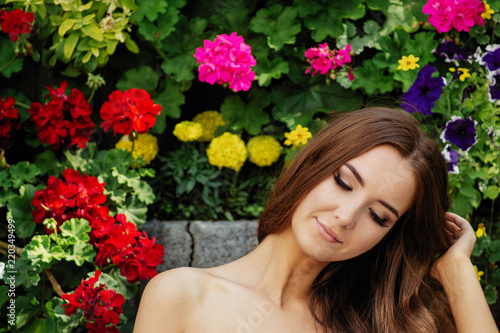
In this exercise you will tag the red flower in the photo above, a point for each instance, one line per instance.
(101, 306)
(76, 196)
(16, 22)
(65, 119)
(128, 111)
(9, 119)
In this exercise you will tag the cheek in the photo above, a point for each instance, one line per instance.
(369, 238)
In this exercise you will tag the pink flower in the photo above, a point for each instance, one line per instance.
(226, 61)
(326, 61)
(459, 14)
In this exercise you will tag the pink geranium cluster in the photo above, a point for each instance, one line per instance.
(226, 60)
(326, 61)
(458, 14)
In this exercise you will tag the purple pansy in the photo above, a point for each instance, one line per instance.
(424, 92)
(492, 59)
(451, 158)
(451, 51)
(460, 132)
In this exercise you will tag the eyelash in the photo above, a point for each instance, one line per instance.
(344, 186)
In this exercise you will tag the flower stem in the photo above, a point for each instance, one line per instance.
(53, 281)
(22, 105)
(18, 250)
(91, 95)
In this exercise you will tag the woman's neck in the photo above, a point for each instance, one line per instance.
(277, 268)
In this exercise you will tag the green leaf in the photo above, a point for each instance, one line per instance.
(93, 31)
(266, 70)
(298, 104)
(76, 230)
(130, 44)
(149, 9)
(163, 27)
(20, 210)
(495, 250)
(134, 210)
(170, 99)
(371, 79)
(491, 192)
(40, 252)
(8, 59)
(328, 22)
(48, 163)
(181, 46)
(468, 190)
(23, 172)
(25, 275)
(378, 4)
(278, 24)
(130, 4)
(65, 324)
(70, 44)
(421, 46)
(80, 253)
(28, 307)
(491, 294)
(4, 289)
(398, 15)
(142, 77)
(65, 26)
(250, 116)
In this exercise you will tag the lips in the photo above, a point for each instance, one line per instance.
(328, 234)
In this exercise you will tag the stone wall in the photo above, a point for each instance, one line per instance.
(202, 244)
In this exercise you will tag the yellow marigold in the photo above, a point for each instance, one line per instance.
(188, 131)
(227, 150)
(481, 230)
(298, 137)
(263, 150)
(209, 120)
(410, 62)
(479, 273)
(145, 145)
(465, 73)
(487, 11)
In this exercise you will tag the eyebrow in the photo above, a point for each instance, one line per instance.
(362, 183)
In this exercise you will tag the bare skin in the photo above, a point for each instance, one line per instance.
(268, 289)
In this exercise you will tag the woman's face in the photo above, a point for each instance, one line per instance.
(349, 212)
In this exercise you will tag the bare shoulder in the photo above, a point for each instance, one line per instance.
(169, 299)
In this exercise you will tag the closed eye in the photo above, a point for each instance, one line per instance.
(341, 183)
(378, 219)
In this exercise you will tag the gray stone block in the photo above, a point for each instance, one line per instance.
(217, 243)
(176, 240)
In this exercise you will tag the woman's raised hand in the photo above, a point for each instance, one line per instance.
(459, 279)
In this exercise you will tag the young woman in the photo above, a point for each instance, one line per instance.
(347, 243)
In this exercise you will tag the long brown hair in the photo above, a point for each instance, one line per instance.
(388, 288)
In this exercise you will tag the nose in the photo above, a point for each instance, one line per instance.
(346, 216)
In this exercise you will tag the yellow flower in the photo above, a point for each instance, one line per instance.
(487, 11)
(263, 150)
(298, 137)
(409, 62)
(481, 230)
(188, 131)
(227, 150)
(209, 120)
(145, 145)
(478, 272)
(465, 73)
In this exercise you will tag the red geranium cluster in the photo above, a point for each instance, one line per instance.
(326, 61)
(9, 119)
(64, 118)
(226, 60)
(16, 22)
(131, 110)
(458, 14)
(134, 253)
(118, 241)
(101, 306)
(74, 196)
